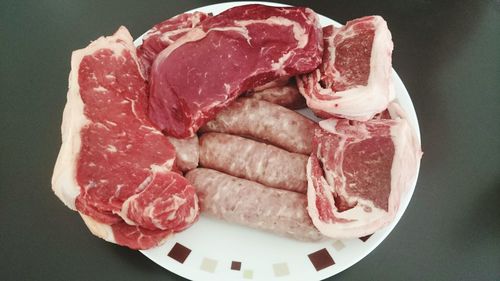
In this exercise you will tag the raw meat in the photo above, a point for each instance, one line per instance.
(187, 152)
(358, 173)
(260, 162)
(140, 237)
(354, 80)
(113, 161)
(275, 83)
(165, 33)
(285, 95)
(226, 55)
(267, 122)
(251, 204)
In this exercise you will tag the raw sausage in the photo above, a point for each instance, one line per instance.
(267, 122)
(252, 160)
(187, 152)
(287, 95)
(251, 204)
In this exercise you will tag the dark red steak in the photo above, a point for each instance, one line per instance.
(226, 55)
(165, 33)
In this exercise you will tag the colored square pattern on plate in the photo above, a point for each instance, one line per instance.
(321, 259)
(235, 265)
(179, 252)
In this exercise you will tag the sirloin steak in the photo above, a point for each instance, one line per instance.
(358, 173)
(226, 55)
(354, 79)
(114, 166)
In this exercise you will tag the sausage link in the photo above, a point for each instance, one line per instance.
(287, 96)
(251, 204)
(186, 151)
(252, 160)
(267, 122)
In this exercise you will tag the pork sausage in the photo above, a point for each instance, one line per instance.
(251, 204)
(285, 95)
(186, 152)
(267, 122)
(252, 160)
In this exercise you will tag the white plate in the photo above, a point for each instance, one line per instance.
(211, 247)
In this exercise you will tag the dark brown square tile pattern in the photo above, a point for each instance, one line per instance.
(321, 259)
(364, 238)
(235, 265)
(179, 252)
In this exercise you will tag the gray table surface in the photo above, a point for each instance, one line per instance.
(446, 52)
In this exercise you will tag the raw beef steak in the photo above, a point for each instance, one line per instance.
(354, 79)
(226, 55)
(358, 173)
(165, 33)
(114, 166)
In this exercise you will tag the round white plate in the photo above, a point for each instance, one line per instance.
(216, 250)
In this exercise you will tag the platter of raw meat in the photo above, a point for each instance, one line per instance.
(241, 141)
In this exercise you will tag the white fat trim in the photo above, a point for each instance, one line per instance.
(312, 210)
(227, 87)
(356, 228)
(278, 66)
(64, 182)
(299, 32)
(99, 229)
(123, 213)
(194, 19)
(312, 17)
(165, 37)
(363, 102)
(241, 30)
(193, 35)
(360, 222)
(406, 160)
(164, 168)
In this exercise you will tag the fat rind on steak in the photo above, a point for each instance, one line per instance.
(354, 80)
(114, 166)
(359, 172)
(226, 55)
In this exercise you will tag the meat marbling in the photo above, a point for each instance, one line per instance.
(163, 34)
(358, 173)
(226, 55)
(354, 79)
(113, 161)
(187, 152)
